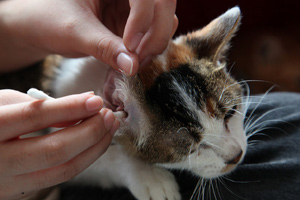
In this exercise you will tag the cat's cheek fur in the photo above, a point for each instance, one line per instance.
(213, 156)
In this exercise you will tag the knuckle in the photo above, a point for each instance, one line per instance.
(162, 44)
(165, 3)
(173, 2)
(32, 115)
(69, 25)
(70, 108)
(70, 171)
(95, 129)
(55, 151)
(104, 48)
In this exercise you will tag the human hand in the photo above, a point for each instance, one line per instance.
(76, 28)
(31, 164)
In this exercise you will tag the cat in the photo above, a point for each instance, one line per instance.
(182, 111)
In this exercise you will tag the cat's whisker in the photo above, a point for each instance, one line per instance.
(249, 126)
(204, 188)
(228, 189)
(261, 99)
(253, 142)
(219, 136)
(213, 145)
(242, 182)
(247, 96)
(237, 111)
(196, 189)
(264, 128)
(217, 188)
(213, 188)
(225, 83)
(256, 132)
(239, 82)
(220, 67)
(190, 152)
(209, 188)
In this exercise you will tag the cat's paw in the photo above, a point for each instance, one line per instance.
(154, 184)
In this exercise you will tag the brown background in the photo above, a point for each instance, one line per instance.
(267, 46)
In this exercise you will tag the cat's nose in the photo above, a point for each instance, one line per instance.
(236, 158)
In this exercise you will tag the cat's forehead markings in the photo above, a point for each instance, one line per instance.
(178, 55)
(175, 56)
(210, 108)
(149, 73)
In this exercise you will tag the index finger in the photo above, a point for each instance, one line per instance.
(138, 23)
(8, 96)
(162, 28)
(22, 118)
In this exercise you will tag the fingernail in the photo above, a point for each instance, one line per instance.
(135, 41)
(94, 103)
(125, 63)
(146, 61)
(110, 121)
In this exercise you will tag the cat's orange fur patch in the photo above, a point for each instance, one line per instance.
(177, 55)
(149, 73)
(210, 108)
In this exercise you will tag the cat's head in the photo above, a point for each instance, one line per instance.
(184, 110)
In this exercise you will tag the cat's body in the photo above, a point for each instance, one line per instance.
(182, 111)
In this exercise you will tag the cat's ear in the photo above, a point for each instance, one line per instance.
(213, 40)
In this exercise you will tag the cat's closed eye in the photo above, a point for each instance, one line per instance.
(230, 113)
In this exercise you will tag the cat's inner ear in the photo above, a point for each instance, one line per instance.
(212, 41)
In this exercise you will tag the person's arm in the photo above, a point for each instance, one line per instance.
(15, 51)
(119, 33)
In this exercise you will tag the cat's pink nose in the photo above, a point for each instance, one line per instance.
(236, 159)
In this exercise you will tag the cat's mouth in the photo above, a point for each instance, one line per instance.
(112, 96)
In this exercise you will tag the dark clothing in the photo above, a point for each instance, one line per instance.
(270, 170)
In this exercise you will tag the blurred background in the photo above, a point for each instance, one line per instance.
(267, 46)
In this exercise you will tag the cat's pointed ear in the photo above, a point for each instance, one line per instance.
(213, 40)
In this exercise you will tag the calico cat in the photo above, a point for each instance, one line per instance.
(182, 111)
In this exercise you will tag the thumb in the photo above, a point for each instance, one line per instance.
(98, 41)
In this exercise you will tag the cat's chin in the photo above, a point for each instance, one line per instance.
(112, 98)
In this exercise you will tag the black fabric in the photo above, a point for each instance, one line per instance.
(270, 170)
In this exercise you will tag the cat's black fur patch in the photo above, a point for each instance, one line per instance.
(166, 98)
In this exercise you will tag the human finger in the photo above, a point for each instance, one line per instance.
(95, 39)
(138, 23)
(175, 25)
(8, 96)
(22, 118)
(59, 174)
(158, 36)
(56, 148)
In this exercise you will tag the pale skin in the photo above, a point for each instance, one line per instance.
(123, 34)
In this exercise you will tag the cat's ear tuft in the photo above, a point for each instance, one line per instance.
(213, 40)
